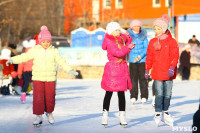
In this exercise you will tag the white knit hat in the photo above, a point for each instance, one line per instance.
(5, 54)
(29, 44)
(112, 26)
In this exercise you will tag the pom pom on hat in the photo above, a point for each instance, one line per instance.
(112, 26)
(43, 28)
(135, 22)
(162, 22)
(44, 34)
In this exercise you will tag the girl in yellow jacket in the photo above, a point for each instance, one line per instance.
(45, 56)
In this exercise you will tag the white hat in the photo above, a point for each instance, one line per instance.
(5, 54)
(29, 44)
(112, 26)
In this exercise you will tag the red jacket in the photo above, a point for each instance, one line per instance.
(7, 69)
(161, 60)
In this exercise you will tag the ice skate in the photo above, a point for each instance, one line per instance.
(133, 100)
(105, 118)
(122, 118)
(144, 100)
(50, 118)
(23, 97)
(167, 119)
(38, 120)
(157, 118)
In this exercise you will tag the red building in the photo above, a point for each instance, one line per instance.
(87, 12)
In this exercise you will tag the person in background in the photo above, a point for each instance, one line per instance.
(137, 58)
(45, 57)
(162, 58)
(25, 69)
(185, 62)
(116, 75)
(194, 41)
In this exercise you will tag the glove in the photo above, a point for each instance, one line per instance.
(72, 72)
(171, 71)
(9, 61)
(131, 46)
(146, 74)
(138, 58)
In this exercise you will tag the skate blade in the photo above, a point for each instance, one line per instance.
(123, 125)
(169, 124)
(38, 125)
(105, 125)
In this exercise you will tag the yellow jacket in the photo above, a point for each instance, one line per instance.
(44, 62)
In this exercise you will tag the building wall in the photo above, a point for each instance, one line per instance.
(131, 9)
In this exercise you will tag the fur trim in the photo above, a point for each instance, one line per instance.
(142, 35)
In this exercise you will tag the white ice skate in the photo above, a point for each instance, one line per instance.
(153, 101)
(105, 118)
(144, 100)
(133, 100)
(38, 120)
(122, 118)
(157, 118)
(167, 119)
(50, 118)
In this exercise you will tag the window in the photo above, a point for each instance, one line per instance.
(167, 3)
(156, 3)
(106, 3)
(118, 4)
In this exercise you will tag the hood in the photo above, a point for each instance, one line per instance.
(111, 39)
(142, 35)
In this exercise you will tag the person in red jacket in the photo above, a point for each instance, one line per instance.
(5, 56)
(162, 58)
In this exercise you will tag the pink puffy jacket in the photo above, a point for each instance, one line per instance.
(116, 75)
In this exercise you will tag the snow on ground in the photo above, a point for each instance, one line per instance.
(79, 109)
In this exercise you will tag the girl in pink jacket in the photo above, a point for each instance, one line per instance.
(116, 74)
(25, 69)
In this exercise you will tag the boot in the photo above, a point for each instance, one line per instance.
(133, 100)
(23, 97)
(38, 120)
(105, 117)
(157, 118)
(144, 100)
(167, 119)
(122, 118)
(50, 118)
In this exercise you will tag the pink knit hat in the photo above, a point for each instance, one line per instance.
(162, 22)
(135, 22)
(44, 34)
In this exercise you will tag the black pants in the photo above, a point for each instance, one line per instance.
(26, 77)
(185, 73)
(137, 73)
(121, 97)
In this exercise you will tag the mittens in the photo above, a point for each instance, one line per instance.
(171, 71)
(131, 46)
(72, 72)
(138, 58)
(9, 61)
(146, 74)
